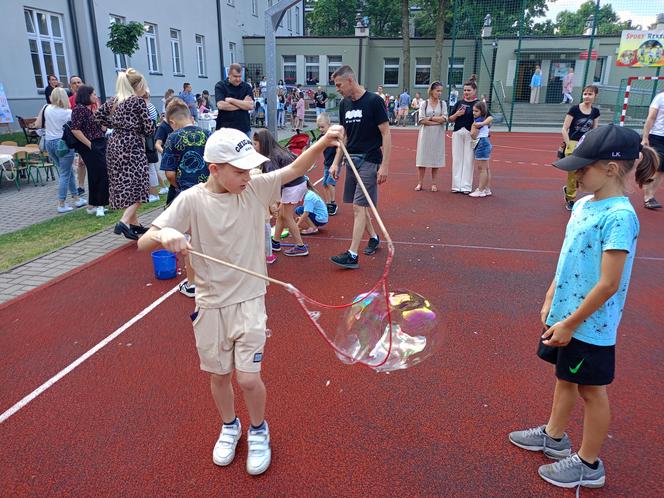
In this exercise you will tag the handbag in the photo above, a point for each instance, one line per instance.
(62, 148)
(151, 150)
(68, 137)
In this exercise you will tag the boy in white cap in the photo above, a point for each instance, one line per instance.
(225, 216)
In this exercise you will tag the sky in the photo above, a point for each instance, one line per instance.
(639, 11)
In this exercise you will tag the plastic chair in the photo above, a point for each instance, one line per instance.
(30, 133)
(38, 161)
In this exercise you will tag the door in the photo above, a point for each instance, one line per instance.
(526, 70)
(554, 89)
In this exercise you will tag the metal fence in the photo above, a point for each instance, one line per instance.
(504, 42)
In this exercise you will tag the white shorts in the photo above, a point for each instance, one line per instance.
(293, 195)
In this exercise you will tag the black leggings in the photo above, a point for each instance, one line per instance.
(95, 162)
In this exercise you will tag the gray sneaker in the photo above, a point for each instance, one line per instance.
(536, 439)
(572, 472)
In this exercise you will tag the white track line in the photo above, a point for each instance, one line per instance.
(481, 248)
(49, 383)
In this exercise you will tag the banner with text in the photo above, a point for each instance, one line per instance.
(641, 49)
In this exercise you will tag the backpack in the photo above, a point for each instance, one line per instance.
(68, 137)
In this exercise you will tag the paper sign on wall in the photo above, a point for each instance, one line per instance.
(641, 49)
(5, 111)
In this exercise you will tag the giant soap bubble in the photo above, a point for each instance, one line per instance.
(408, 337)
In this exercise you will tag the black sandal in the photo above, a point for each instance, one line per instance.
(121, 228)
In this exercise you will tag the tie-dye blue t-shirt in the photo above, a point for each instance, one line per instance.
(594, 227)
(183, 153)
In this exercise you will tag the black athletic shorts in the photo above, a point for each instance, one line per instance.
(581, 363)
(657, 143)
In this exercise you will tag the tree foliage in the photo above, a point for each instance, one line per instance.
(573, 23)
(123, 37)
(333, 18)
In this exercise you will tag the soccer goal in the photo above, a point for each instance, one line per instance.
(638, 94)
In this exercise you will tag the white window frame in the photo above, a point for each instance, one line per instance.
(420, 63)
(297, 20)
(152, 47)
(396, 66)
(121, 60)
(254, 7)
(456, 63)
(312, 65)
(289, 20)
(176, 52)
(292, 64)
(232, 48)
(52, 40)
(332, 66)
(201, 60)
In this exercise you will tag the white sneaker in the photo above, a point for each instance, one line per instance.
(224, 450)
(260, 454)
(81, 202)
(163, 190)
(477, 193)
(487, 192)
(65, 209)
(153, 198)
(187, 289)
(100, 211)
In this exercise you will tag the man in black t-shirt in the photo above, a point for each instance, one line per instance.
(321, 100)
(364, 118)
(234, 100)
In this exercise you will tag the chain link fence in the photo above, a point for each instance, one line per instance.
(521, 50)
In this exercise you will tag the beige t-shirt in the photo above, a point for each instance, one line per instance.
(229, 227)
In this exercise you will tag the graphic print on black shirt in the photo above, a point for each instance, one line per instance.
(581, 123)
(466, 120)
(361, 118)
(320, 97)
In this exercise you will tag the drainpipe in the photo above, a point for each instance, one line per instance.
(221, 38)
(359, 64)
(77, 40)
(95, 44)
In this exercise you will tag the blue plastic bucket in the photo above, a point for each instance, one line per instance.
(165, 264)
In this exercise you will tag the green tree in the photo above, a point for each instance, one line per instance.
(573, 23)
(384, 17)
(123, 37)
(333, 18)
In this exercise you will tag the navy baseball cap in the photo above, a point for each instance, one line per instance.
(608, 142)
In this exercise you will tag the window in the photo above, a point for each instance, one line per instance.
(391, 71)
(254, 71)
(254, 7)
(333, 63)
(290, 69)
(599, 70)
(233, 52)
(455, 71)
(289, 20)
(297, 20)
(422, 71)
(121, 60)
(200, 55)
(312, 69)
(176, 51)
(47, 46)
(151, 44)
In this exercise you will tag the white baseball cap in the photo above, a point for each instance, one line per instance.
(228, 145)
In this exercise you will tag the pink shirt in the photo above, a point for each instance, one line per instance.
(568, 81)
(300, 108)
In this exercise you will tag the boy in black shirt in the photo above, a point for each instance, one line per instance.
(363, 116)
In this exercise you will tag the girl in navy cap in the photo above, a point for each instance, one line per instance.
(584, 303)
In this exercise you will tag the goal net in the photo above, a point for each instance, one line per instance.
(637, 95)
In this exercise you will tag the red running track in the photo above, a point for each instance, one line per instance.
(137, 417)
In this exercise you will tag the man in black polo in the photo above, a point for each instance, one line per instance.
(368, 140)
(234, 100)
(321, 100)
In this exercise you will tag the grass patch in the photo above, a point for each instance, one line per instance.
(17, 137)
(28, 243)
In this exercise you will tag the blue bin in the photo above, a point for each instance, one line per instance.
(165, 264)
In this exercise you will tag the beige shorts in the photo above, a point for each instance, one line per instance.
(232, 337)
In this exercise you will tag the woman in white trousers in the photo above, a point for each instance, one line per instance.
(462, 151)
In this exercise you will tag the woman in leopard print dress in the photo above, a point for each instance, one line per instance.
(129, 182)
